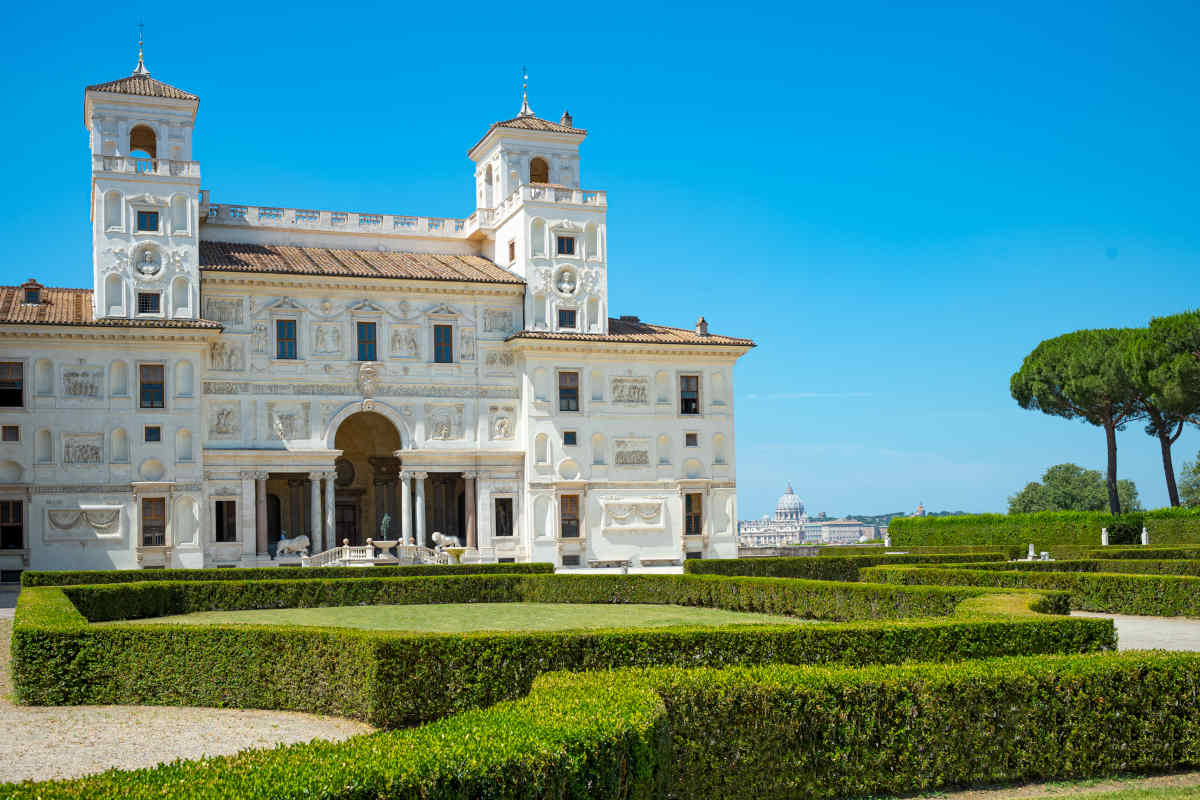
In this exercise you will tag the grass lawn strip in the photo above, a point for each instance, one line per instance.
(1160, 787)
(467, 617)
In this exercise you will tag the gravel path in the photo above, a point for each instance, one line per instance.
(1152, 633)
(41, 742)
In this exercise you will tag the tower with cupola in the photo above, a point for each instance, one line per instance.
(540, 223)
(145, 198)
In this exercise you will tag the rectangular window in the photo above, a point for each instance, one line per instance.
(504, 516)
(33, 297)
(507, 560)
(148, 303)
(692, 516)
(570, 439)
(568, 506)
(14, 575)
(366, 341)
(147, 221)
(226, 530)
(154, 522)
(12, 384)
(568, 391)
(10, 433)
(689, 394)
(566, 245)
(694, 554)
(12, 525)
(285, 338)
(512, 252)
(151, 380)
(691, 440)
(153, 433)
(571, 560)
(443, 344)
(566, 318)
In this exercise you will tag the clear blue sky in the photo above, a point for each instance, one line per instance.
(896, 201)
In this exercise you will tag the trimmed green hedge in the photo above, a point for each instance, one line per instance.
(1137, 566)
(824, 568)
(739, 734)
(76, 577)
(1146, 552)
(1154, 595)
(1044, 529)
(394, 679)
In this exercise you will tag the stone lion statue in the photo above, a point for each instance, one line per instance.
(441, 541)
(297, 544)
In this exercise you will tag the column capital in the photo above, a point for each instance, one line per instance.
(319, 474)
(405, 475)
(469, 475)
(261, 475)
(420, 475)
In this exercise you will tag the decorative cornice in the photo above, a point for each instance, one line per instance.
(353, 390)
(370, 285)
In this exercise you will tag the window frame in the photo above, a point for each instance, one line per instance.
(35, 293)
(569, 515)
(693, 517)
(573, 436)
(684, 400)
(137, 220)
(512, 517)
(4, 429)
(6, 505)
(578, 389)
(146, 435)
(219, 522)
(141, 395)
(574, 326)
(445, 348)
(562, 238)
(359, 326)
(694, 436)
(142, 517)
(137, 302)
(21, 369)
(280, 340)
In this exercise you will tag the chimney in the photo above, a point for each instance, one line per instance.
(702, 326)
(566, 119)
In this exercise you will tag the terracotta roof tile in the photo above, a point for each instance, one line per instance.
(528, 122)
(73, 307)
(636, 331)
(286, 259)
(143, 86)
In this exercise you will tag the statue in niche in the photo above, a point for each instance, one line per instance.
(468, 345)
(566, 282)
(260, 338)
(148, 263)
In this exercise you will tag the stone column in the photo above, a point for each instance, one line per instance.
(314, 479)
(406, 506)
(296, 505)
(246, 527)
(260, 511)
(330, 513)
(421, 476)
(469, 508)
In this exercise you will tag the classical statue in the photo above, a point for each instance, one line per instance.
(297, 544)
(566, 282)
(384, 525)
(147, 266)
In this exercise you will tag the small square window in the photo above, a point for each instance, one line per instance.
(570, 438)
(693, 555)
(147, 221)
(691, 440)
(10, 433)
(571, 560)
(512, 251)
(33, 297)
(506, 560)
(153, 433)
(148, 302)
(566, 318)
(566, 245)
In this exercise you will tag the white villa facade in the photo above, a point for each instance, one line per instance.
(236, 372)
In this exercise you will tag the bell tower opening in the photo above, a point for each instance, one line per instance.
(539, 170)
(142, 142)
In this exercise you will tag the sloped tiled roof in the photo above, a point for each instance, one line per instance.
(288, 260)
(528, 122)
(636, 331)
(73, 307)
(143, 86)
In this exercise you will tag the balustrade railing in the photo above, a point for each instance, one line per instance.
(344, 555)
(145, 166)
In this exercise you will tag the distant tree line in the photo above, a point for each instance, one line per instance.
(1112, 378)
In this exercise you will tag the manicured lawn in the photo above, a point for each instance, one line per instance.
(460, 617)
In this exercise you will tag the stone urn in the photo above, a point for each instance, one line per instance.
(456, 553)
(385, 548)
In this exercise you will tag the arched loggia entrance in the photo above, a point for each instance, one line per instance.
(367, 486)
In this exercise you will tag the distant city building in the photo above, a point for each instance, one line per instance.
(792, 525)
(920, 512)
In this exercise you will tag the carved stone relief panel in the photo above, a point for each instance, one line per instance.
(260, 337)
(501, 422)
(226, 310)
(226, 356)
(467, 348)
(633, 514)
(327, 340)
(83, 448)
(630, 390)
(404, 342)
(83, 383)
(444, 421)
(287, 421)
(499, 359)
(631, 452)
(498, 321)
(224, 422)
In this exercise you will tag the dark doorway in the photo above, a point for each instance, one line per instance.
(273, 516)
(346, 523)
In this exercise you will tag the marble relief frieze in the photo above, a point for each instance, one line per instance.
(217, 388)
(83, 383)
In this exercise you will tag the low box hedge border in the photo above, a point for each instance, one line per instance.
(1181, 551)
(1113, 593)
(1045, 529)
(78, 577)
(738, 733)
(1134, 566)
(822, 568)
(394, 679)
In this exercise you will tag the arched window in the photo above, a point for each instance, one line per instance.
(143, 141)
(43, 372)
(112, 210)
(181, 297)
(539, 171)
(44, 447)
(488, 202)
(114, 295)
(183, 445)
(120, 446)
